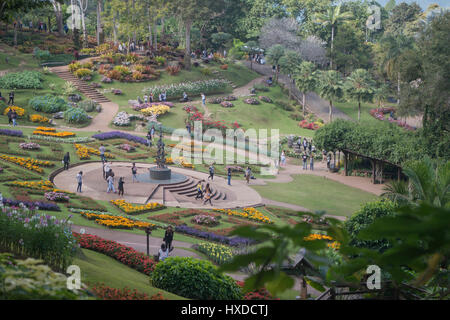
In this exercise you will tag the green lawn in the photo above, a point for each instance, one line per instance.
(98, 268)
(262, 116)
(317, 193)
(350, 108)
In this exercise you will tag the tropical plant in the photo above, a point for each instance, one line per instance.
(305, 80)
(274, 54)
(360, 86)
(330, 87)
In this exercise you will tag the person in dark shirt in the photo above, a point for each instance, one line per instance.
(121, 183)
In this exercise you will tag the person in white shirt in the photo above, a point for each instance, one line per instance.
(79, 180)
(163, 252)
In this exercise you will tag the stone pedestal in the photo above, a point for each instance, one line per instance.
(160, 173)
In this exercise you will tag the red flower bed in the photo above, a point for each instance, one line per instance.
(107, 293)
(308, 125)
(124, 254)
(379, 113)
(261, 294)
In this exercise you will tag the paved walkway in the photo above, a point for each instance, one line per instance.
(314, 103)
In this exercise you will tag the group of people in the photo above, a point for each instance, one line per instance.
(12, 117)
(131, 47)
(150, 135)
(166, 246)
(259, 58)
(204, 194)
(109, 176)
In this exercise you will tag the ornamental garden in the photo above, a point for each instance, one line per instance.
(358, 173)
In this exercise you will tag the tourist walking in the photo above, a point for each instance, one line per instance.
(229, 176)
(283, 158)
(145, 98)
(152, 131)
(110, 181)
(79, 180)
(207, 195)
(305, 158)
(11, 98)
(199, 190)
(311, 162)
(149, 139)
(163, 252)
(66, 161)
(328, 161)
(14, 118)
(120, 186)
(102, 152)
(203, 99)
(168, 238)
(150, 97)
(305, 144)
(324, 155)
(211, 172)
(106, 169)
(134, 172)
(248, 174)
(10, 112)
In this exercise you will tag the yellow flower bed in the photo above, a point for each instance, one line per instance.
(38, 118)
(45, 129)
(44, 185)
(20, 111)
(179, 160)
(52, 133)
(129, 208)
(28, 163)
(84, 152)
(248, 213)
(317, 236)
(120, 222)
(157, 109)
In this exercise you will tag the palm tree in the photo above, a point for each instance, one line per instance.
(289, 64)
(428, 181)
(330, 88)
(394, 48)
(305, 80)
(360, 87)
(333, 17)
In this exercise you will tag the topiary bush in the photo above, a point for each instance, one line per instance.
(48, 104)
(194, 279)
(76, 115)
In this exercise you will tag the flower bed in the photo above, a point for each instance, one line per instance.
(252, 101)
(157, 109)
(305, 124)
(38, 118)
(124, 119)
(28, 163)
(119, 135)
(42, 131)
(20, 111)
(215, 100)
(56, 196)
(217, 253)
(124, 254)
(205, 220)
(126, 147)
(190, 109)
(11, 133)
(116, 222)
(261, 294)
(136, 209)
(29, 146)
(226, 104)
(249, 213)
(191, 88)
(232, 241)
(378, 113)
(107, 293)
(43, 185)
(84, 152)
(265, 99)
(318, 236)
(62, 140)
(38, 205)
(139, 107)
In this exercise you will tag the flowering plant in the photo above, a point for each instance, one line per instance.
(20, 111)
(216, 252)
(13, 133)
(310, 125)
(248, 213)
(30, 146)
(155, 110)
(119, 135)
(191, 88)
(251, 101)
(226, 104)
(127, 147)
(28, 163)
(38, 118)
(205, 220)
(141, 106)
(265, 99)
(130, 209)
(232, 241)
(56, 196)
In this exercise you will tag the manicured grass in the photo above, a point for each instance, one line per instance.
(317, 193)
(263, 116)
(239, 74)
(98, 268)
(350, 108)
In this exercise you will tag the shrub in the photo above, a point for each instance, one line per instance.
(191, 88)
(363, 218)
(195, 279)
(38, 118)
(124, 71)
(284, 105)
(76, 115)
(87, 65)
(107, 293)
(224, 67)
(137, 75)
(265, 99)
(226, 104)
(74, 66)
(41, 55)
(173, 70)
(21, 80)
(48, 104)
(206, 71)
(83, 72)
(251, 101)
(140, 68)
(260, 87)
(296, 116)
(113, 74)
(160, 60)
(215, 100)
(88, 105)
(69, 88)
(20, 111)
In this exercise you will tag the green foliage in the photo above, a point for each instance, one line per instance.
(290, 62)
(48, 103)
(21, 80)
(363, 218)
(275, 53)
(360, 87)
(160, 60)
(88, 105)
(31, 280)
(195, 279)
(41, 54)
(76, 115)
(83, 72)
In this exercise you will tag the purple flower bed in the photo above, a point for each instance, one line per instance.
(119, 135)
(149, 104)
(14, 133)
(235, 241)
(32, 204)
(56, 196)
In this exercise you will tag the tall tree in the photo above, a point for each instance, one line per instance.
(289, 64)
(332, 17)
(306, 80)
(99, 30)
(360, 87)
(330, 87)
(251, 48)
(274, 55)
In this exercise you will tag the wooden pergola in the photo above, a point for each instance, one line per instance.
(377, 165)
